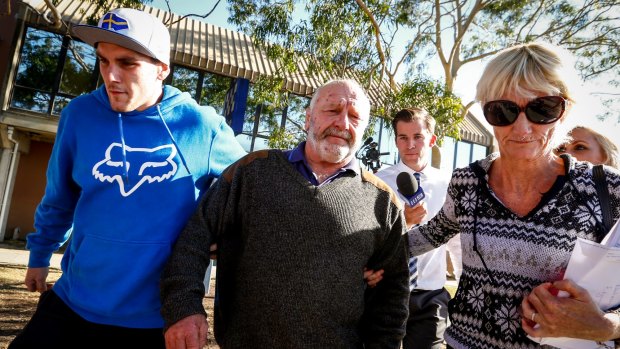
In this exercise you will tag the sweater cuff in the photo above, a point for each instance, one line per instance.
(39, 259)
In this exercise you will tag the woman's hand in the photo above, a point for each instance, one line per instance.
(575, 316)
(373, 277)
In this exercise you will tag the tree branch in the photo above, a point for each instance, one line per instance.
(377, 31)
(192, 14)
(480, 56)
(531, 20)
(413, 44)
(57, 20)
(466, 108)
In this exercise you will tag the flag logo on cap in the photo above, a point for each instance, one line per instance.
(113, 22)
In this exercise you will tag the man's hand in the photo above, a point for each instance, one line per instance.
(415, 214)
(373, 277)
(213, 251)
(35, 279)
(188, 333)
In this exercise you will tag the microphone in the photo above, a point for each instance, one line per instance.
(410, 187)
(367, 141)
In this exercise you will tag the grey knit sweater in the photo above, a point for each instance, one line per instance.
(519, 252)
(290, 260)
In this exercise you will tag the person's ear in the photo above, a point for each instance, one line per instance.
(567, 109)
(433, 141)
(307, 123)
(163, 70)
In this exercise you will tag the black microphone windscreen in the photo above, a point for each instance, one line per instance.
(407, 184)
(368, 141)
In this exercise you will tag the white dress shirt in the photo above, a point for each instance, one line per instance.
(432, 264)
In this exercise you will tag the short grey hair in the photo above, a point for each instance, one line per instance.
(349, 82)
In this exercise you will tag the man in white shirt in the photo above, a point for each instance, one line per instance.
(428, 303)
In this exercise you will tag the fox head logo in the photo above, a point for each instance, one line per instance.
(147, 165)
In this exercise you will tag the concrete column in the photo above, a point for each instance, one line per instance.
(436, 157)
(13, 143)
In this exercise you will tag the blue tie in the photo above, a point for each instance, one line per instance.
(413, 273)
(413, 261)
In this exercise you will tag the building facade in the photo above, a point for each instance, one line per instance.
(42, 68)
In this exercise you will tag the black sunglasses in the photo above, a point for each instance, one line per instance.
(542, 110)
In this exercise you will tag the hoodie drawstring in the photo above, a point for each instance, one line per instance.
(173, 140)
(123, 150)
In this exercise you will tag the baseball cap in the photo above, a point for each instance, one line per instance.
(132, 29)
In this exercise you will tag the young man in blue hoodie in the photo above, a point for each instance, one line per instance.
(127, 170)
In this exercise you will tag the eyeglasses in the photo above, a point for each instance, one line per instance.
(542, 110)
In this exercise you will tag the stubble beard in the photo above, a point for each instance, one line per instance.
(330, 152)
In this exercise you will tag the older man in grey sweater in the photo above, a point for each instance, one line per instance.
(294, 230)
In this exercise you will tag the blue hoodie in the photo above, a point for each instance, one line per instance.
(123, 185)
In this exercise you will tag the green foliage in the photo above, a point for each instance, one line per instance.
(590, 29)
(431, 95)
(335, 37)
(267, 90)
(214, 91)
(214, 87)
(281, 138)
(333, 32)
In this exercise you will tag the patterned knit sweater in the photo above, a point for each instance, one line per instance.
(290, 259)
(520, 252)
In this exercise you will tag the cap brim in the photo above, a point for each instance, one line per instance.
(92, 35)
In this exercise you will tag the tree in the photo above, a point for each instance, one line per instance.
(431, 95)
(339, 48)
(341, 43)
(478, 29)
(363, 38)
(363, 35)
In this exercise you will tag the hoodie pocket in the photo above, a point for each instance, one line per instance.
(118, 279)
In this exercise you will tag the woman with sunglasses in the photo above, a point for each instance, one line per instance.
(519, 212)
(585, 144)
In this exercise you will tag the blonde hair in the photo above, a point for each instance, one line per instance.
(524, 70)
(610, 150)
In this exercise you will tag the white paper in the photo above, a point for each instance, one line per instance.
(574, 343)
(612, 239)
(594, 267)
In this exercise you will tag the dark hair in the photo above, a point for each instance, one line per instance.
(412, 114)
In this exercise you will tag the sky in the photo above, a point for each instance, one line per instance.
(584, 112)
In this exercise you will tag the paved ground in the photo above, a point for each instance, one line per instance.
(16, 254)
(10, 254)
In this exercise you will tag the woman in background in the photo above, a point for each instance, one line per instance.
(519, 212)
(585, 144)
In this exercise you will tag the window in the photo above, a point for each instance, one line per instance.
(206, 88)
(478, 152)
(257, 136)
(52, 70)
(213, 91)
(456, 154)
(462, 154)
(185, 79)
(447, 150)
